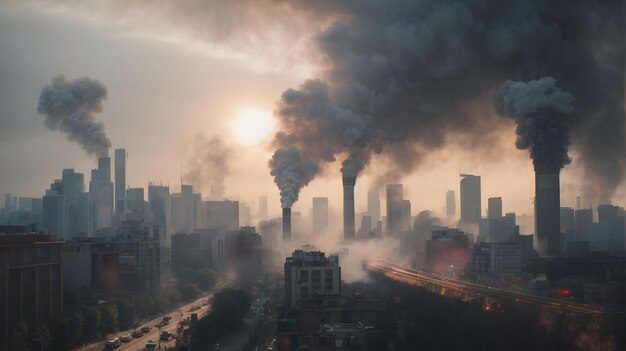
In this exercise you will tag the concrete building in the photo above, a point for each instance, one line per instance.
(373, 206)
(31, 280)
(135, 203)
(120, 182)
(447, 252)
(610, 229)
(73, 190)
(585, 230)
(498, 229)
(470, 202)
(407, 219)
(494, 207)
(309, 274)
(320, 214)
(222, 215)
(450, 204)
(140, 266)
(54, 210)
(91, 268)
(395, 210)
(498, 258)
(101, 191)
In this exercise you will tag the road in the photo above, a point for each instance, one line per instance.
(414, 277)
(140, 343)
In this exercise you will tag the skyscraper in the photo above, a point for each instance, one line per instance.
(470, 202)
(373, 206)
(494, 207)
(120, 181)
(101, 190)
(73, 189)
(395, 208)
(450, 204)
(320, 214)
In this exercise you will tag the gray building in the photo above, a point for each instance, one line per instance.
(309, 274)
(320, 214)
(450, 204)
(470, 202)
(120, 182)
(395, 208)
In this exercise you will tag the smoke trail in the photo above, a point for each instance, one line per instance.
(544, 117)
(209, 165)
(291, 173)
(70, 106)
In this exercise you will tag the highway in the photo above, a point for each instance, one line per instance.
(140, 343)
(415, 277)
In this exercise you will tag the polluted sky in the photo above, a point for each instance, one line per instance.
(402, 90)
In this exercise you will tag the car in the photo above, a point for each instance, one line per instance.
(167, 318)
(145, 329)
(151, 344)
(125, 338)
(165, 335)
(112, 344)
(137, 334)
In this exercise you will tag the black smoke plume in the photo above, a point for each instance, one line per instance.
(544, 117)
(208, 165)
(70, 106)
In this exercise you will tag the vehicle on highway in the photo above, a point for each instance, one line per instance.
(165, 335)
(137, 334)
(163, 323)
(145, 329)
(125, 338)
(167, 318)
(112, 344)
(151, 344)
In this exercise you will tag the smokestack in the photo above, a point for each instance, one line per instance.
(547, 211)
(348, 207)
(287, 224)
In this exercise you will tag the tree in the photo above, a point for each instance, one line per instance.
(206, 279)
(76, 329)
(43, 333)
(93, 320)
(109, 318)
(189, 291)
(229, 308)
(18, 340)
(125, 314)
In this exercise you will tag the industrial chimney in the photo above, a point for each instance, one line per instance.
(547, 211)
(348, 208)
(287, 224)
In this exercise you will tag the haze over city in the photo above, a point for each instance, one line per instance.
(403, 145)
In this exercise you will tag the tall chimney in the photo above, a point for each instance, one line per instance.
(287, 224)
(547, 212)
(348, 208)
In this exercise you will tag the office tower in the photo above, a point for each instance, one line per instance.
(450, 204)
(120, 181)
(320, 214)
(309, 274)
(7, 201)
(135, 203)
(470, 202)
(31, 277)
(568, 222)
(54, 210)
(263, 207)
(365, 232)
(348, 208)
(159, 200)
(101, 190)
(494, 207)
(547, 211)
(245, 214)
(500, 229)
(395, 212)
(222, 215)
(182, 209)
(286, 223)
(199, 211)
(610, 230)
(373, 206)
(585, 230)
(406, 215)
(73, 189)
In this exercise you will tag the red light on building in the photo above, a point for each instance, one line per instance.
(563, 291)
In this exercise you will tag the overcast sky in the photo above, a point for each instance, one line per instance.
(166, 85)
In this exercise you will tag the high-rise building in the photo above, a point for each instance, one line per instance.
(73, 189)
(222, 215)
(101, 190)
(373, 206)
(320, 214)
(547, 211)
(308, 274)
(585, 230)
(494, 207)
(568, 223)
(470, 202)
(120, 181)
(406, 215)
(395, 210)
(31, 277)
(135, 203)
(610, 232)
(450, 204)
(54, 209)
(263, 207)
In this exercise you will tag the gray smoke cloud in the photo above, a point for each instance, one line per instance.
(544, 117)
(408, 72)
(291, 172)
(208, 165)
(70, 106)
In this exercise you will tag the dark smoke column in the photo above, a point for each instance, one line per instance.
(348, 207)
(544, 117)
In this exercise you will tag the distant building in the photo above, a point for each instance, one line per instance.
(139, 266)
(101, 191)
(494, 207)
(135, 203)
(90, 269)
(120, 182)
(498, 258)
(31, 277)
(498, 229)
(320, 214)
(470, 202)
(395, 208)
(373, 206)
(222, 215)
(447, 252)
(263, 213)
(406, 215)
(308, 274)
(54, 210)
(585, 230)
(610, 230)
(450, 204)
